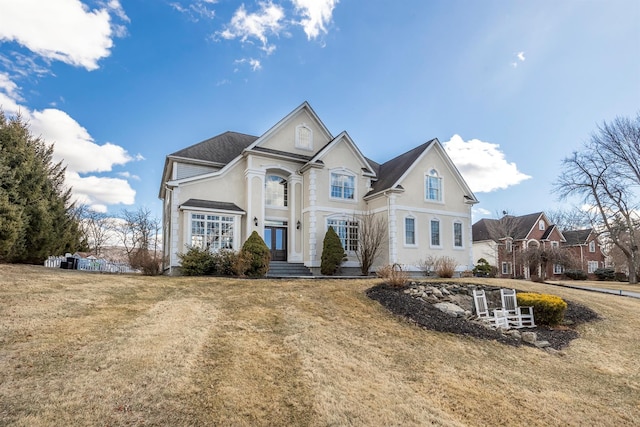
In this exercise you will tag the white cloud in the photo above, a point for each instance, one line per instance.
(481, 211)
(253, 63)
(78, 151)
(315, 15)
(196, 9)
(98, 190)
(520, 56)
(483, 165)
(62, 30)
(74, 145)
(246, 26)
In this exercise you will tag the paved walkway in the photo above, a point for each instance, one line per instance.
(602, 290)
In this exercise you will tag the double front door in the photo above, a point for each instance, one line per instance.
(276, 240)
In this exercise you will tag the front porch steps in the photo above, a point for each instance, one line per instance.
(286, 269)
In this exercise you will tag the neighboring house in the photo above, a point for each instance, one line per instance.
(296, 180)
(586, 250)
(500, 241)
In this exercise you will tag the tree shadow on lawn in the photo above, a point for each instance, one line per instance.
(428, 316)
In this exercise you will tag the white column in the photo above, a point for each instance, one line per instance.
(295, 183)
(393, 230)
(312, 217)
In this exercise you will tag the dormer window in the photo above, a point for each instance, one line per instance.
(592, 246)
(304, 137)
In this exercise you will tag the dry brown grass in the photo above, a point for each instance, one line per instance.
(88, 349)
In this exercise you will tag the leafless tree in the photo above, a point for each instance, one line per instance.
(372, 234)
(605, 174)
(139, 234)
(543, 256)
(503, 232)
(569, 219)
(96, 227)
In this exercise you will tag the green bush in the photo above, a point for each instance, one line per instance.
(225, 261)
(547, 309)
(197, 262)
(482, 269)
(605, 274)
(333, 254)
(576, 274)
(255, 256)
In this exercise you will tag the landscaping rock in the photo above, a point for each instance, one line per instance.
(529, 337)
(542, 344)
(449, 308)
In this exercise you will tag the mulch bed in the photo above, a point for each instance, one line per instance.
(427, 316)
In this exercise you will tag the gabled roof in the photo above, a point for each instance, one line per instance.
(367, 167)
(577, 237)
(391, 171)
(520, 227)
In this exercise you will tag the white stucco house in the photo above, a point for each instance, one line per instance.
(297, 179)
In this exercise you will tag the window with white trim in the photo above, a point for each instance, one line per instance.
(506, 268)
(435, 232)
(347, 231)
(433, 186)
(558, 269)
(275, 191)
(457, 234)
(592, 266)
(508, 244)
(304, 137)
(409, 231)
(555, 244)
(592, 246)
(541, 225)
(212, 232)
(343, 186)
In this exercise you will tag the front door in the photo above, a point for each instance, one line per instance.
(276, 240)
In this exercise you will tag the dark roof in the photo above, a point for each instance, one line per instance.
(219, 149)
(548, 232)
(577, 237)
(389, 172)
(210, 204)
(282, 153)
(519, 226)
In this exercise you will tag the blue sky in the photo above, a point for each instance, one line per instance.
(509, 87)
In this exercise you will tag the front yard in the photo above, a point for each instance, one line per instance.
(90, 349)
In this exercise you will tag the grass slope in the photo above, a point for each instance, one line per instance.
(90, 349)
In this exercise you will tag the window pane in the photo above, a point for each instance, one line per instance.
(275, 191)
(342, 186)
(211, 231)
(435, 233)
(457, 234)
(409, 230)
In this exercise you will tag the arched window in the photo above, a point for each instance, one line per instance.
(433, 186)
(275, 191)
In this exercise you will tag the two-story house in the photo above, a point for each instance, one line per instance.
(502, 241)
(297, 179)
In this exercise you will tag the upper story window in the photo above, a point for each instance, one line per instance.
(304, 137)
(433, 186)
(508, 244)
(409, 231)
(592, 246)
(457, 234)
(275, 191)
(343, 186)
(541, 225)
(435, 232)
(212, 232)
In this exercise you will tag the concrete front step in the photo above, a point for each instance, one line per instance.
(284, 269)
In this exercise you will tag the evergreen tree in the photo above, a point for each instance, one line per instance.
(256, 254)
(332, 253)
(36, 217)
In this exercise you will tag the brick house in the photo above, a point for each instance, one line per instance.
(500, 241)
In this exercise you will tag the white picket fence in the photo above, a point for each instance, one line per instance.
(91, 264)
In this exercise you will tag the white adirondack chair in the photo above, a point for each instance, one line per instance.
(496, 318)
(518, 317)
